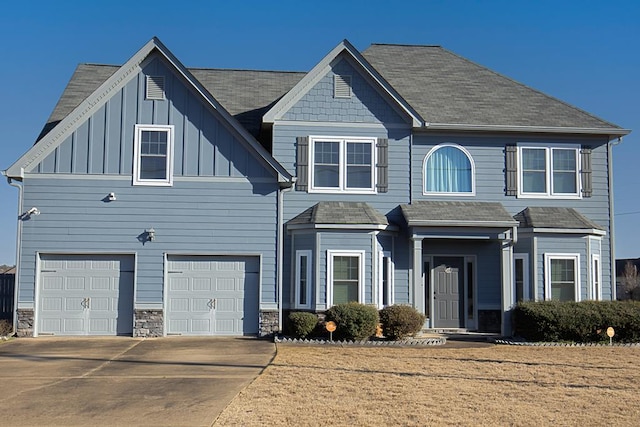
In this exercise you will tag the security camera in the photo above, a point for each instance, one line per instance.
(33, 211)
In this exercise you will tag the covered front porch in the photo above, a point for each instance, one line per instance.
(462, 264)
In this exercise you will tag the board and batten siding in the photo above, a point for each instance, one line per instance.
(204, 144)
(215, 216)
(488, 153)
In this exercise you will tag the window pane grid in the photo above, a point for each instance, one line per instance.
(346, 277)
(563, 279)
(153, 155)
(343, 164)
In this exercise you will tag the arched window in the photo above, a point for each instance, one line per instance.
(448, 169)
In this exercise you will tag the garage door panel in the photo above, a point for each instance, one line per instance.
(51, 304)
(202, 284)
(216, 290)
(75, 283)
(226, 284)
(103, 284)
(86, 295)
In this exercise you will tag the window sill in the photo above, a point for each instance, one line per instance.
(549, 196)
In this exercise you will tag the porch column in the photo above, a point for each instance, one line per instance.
(506, 262)
(418, 283)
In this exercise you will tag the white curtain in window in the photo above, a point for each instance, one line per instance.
(448, 171)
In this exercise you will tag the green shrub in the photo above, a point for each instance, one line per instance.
(354, 321)
(302, 323)
(400, 321)
(585, 321)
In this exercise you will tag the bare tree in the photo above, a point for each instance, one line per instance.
(630, 281)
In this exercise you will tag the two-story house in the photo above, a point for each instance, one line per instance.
(162, 200)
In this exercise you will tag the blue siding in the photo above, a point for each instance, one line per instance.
(204, 144)
(344, 241)
(562, 245)
(300, 241)
(489, 158)
(399, 139)
(221, 216)
(366, 105)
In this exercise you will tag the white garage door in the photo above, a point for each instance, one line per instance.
(86, 295)
(212, 295)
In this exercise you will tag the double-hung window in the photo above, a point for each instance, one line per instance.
(549, 171)
(153, 155)
(342, 164)
(345, 276)
(562, 277)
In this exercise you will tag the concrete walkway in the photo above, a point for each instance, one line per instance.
(174, 381)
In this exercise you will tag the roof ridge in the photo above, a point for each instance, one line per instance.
(407, 45)
(247, 69)
(531, 88)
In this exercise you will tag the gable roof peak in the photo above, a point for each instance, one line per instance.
(319, 70)
(122, 75)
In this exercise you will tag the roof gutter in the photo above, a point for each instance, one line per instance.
(14, 183)
(611, 132)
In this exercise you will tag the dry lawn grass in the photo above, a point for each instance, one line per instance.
(497, 385)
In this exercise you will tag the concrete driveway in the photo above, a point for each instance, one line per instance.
(175, 381)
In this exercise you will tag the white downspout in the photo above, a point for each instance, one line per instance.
(18, 246)
(280, 249)
(612, 248)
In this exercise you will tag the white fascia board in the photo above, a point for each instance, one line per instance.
(73, 120)
(100, 96)
(283, 175)
(321, 69)
(340, 227)
(437, 223)
(590, 231)
(611, 132)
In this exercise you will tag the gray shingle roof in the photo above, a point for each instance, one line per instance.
(456, 213)
(446, 88)
(245, 94)
(569, 218)
(441, 86)
(340, 213)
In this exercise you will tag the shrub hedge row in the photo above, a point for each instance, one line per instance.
(585, 321)
(357, 321)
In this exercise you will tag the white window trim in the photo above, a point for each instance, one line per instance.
(549, 194)
(547, 273)
(299, 255)
(390, 279)
(137, 155)
(596, 276)
(361, 258)
(526, 285)
(448, 194)
(342, 186)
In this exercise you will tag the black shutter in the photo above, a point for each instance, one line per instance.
(302, 163)
(585, 172)
(511, 170)
(382, 165)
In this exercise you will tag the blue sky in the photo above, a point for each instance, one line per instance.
(586, 53)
